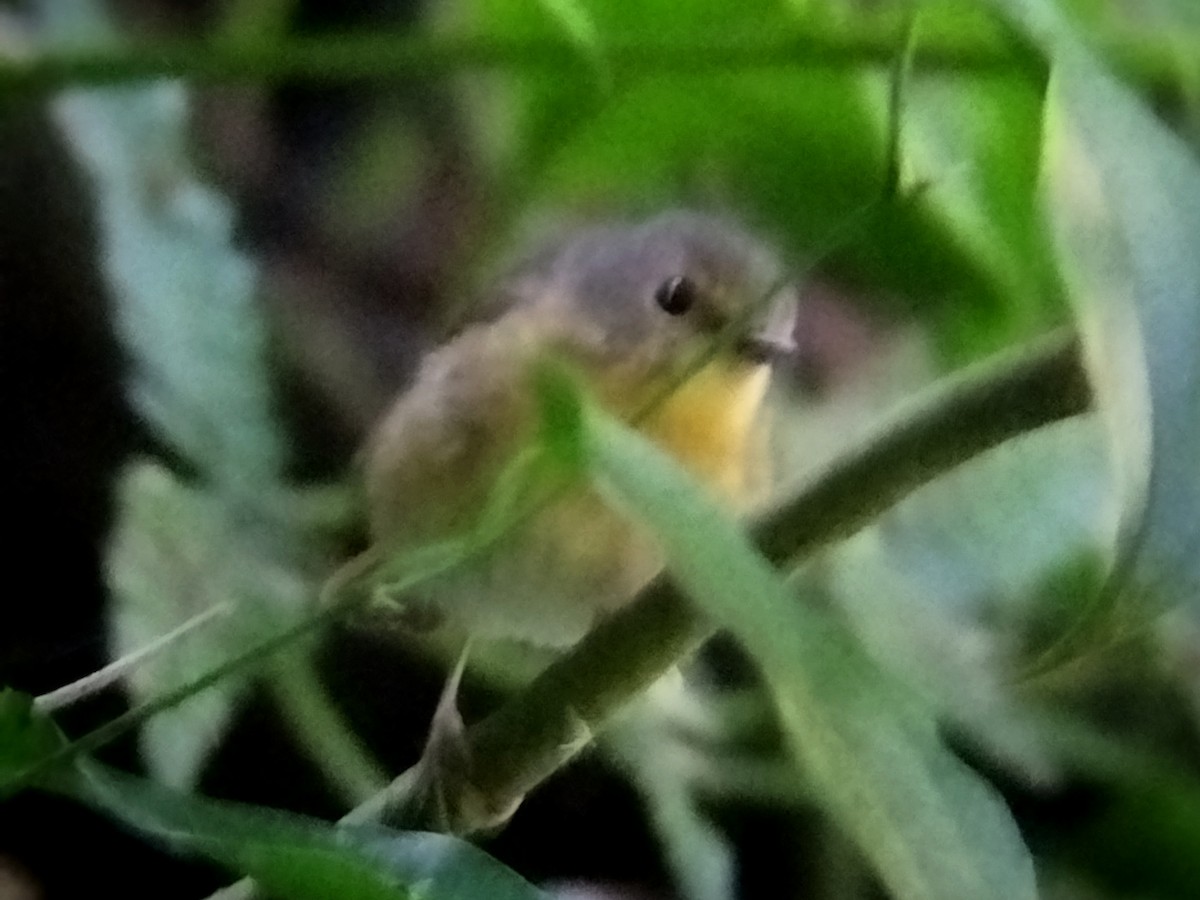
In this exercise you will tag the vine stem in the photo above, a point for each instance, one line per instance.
(1149, 58)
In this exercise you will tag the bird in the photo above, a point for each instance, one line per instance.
(672, 323)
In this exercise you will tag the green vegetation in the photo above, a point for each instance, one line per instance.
(975, 590)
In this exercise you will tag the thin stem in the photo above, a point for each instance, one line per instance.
(1148, 58)
(119, 669)
(99, 737)
(1001, 398)
(321, 729)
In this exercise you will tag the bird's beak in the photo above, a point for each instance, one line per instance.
(773, 336)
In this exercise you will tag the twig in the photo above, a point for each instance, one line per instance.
(1001, 398)
(103, 678)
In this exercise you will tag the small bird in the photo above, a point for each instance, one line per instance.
(672, 323)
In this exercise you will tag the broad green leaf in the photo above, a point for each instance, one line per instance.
(301, 858)
(1123, 196)
(292, 856)
(1143, 839)
(184, 296)
(970, 145)
(1146, 840)
(931, 827)
(185, 310)
(576, 20)
(1177, 13)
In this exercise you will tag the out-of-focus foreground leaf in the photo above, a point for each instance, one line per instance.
(291, 856)
(1123, 196)
(305, 859)
(930, 826)
(930, 587)
(644, 744)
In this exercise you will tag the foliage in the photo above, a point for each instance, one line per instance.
(290, 855)
(976, 170)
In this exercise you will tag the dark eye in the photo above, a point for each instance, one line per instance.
(676, 295)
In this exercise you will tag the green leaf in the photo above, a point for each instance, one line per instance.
(300, 858)
(931, 827)
(291, 856)
(185, 304)
(561, 429)
(802, 150)
(576, 20)
(26, 738)
(177, 552)
(186, 312)
(970, 147)
(924, 587)
(1123, 196)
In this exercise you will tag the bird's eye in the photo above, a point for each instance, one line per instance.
(676, 295)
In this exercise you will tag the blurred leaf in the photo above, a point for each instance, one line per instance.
(1124, 199)
(1145, 841)
(26, 737)
(932, 828)
(802, 148)
(298, 858)
(576, 20)
(923, 587)
(1141, 836)
(700, 857)
(970, 146)
(1180, 13)
(184, 296)
(255, 20)
(187, 315)
(73, 21)
(176, 552)
(291, 856)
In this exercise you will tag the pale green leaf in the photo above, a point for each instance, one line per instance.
(924, 587)
(1123, 196)
(184, 296)
(175, 553)
(27, 736)
(291, 856)
(648, 749)
(930, 826)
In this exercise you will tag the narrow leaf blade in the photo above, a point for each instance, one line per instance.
(931, 827)
(1124, 201)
